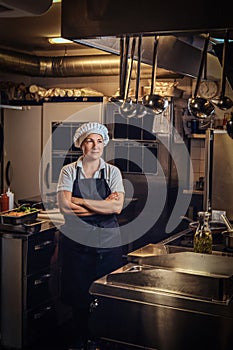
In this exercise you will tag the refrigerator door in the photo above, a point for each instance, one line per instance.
(22, 150)
(221, 179)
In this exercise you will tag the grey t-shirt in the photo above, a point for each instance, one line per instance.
(111, 173)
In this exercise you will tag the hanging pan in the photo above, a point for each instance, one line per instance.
(200, 107)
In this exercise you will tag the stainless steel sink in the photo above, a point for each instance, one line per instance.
(183, 294)
(167, 289)
(185, 273)
(151, 250)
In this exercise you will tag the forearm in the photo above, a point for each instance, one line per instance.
(68, 207)
(103, 206)
(111, 205)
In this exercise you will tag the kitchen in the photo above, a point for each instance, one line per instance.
(95, 89)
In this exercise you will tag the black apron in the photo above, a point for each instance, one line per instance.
(81, 263)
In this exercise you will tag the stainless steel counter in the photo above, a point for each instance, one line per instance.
(167, 300)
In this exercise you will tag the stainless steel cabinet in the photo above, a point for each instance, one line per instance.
(29, 286)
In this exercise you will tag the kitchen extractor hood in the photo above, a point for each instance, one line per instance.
(91, 19)
(173, 54)
(100, 25)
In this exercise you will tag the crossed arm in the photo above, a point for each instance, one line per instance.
(84, 207)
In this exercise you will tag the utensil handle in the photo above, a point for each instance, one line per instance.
(121, 65)
(127, 84)
(138, 67)
(227, 222)
(8, 181)
(154, 64)
(224, 56)
(125, 64)
(203, 57)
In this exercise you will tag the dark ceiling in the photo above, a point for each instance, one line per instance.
(30, 34)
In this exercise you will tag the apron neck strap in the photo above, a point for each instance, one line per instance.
(102, 173)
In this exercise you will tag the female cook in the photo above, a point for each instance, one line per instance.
(90, 194)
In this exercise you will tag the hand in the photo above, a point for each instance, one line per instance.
(80, 209)
(113, 195)
(77, 200)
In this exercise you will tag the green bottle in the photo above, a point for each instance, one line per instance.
(203, 240)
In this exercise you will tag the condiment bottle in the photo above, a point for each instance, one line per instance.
(203, 237)
(11, 199)
(4, 202)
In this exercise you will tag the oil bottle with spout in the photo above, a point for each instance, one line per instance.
(203, 237)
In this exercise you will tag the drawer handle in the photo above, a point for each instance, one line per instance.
(42, 245)
(42, 313)
(42, 279)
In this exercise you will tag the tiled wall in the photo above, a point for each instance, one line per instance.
(197, 154)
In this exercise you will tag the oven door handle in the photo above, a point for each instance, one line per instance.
(43, 245)
(47, 175)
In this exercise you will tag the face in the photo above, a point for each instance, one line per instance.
(93, 146)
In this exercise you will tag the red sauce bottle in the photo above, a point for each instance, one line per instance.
(4, 202)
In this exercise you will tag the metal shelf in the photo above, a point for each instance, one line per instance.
(11, 107)
(197, 136)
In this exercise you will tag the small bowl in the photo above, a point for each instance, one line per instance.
(228, 238)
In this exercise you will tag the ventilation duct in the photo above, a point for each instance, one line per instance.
(175, 59)
(69, 66)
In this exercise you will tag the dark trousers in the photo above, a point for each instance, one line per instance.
(82, 265)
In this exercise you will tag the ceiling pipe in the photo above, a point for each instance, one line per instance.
(68, 66)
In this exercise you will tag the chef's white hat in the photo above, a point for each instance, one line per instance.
(90, 128)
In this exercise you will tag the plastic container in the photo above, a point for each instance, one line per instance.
(12, 219)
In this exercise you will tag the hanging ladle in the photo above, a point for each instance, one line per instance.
(229, 126)
(127, 108)
(140, 110)
(200, 107)
(124, 52)
(223, 102)
(155, 102)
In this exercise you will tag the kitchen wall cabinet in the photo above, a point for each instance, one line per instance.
(29, 285)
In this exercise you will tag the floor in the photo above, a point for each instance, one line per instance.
(62, 337)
